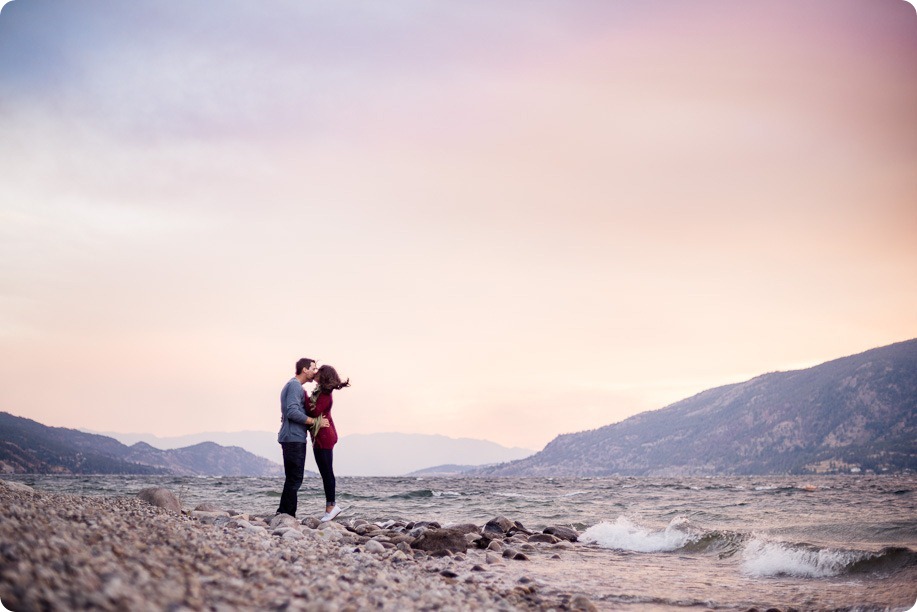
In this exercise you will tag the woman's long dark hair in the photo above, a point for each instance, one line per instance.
(328, 379)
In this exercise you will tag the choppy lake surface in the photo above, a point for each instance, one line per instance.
(816, 543)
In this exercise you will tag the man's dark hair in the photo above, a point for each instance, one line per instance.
(303, 364)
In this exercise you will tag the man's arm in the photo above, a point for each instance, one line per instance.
(293, 405)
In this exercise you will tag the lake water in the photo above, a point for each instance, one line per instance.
(817, 543)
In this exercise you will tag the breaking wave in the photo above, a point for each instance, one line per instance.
(766, 558)
(624, 534)
(760, 557)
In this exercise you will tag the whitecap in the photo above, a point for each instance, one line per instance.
(624, 534)
(766, 558)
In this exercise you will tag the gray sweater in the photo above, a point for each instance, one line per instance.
(292, 413)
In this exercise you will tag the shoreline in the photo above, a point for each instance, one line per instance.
(63, 551)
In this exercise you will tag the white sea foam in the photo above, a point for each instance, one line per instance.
(624, 534)
(764, 558)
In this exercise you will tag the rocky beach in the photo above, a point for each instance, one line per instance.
(145, 552)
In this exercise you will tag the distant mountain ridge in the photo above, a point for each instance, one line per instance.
(397, 454)
(358, 454)
(856, 413)
(444, 470)
(27, 446)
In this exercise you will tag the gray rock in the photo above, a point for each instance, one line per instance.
(283, 520)
(17, 486)
(374, 546)
(519, 528)
(161, 498)
(293, 534)
(492, 559)
(425, 525)
(332, 525)
(438, 540)
(210, 518)
(509, 553)
(495, 546)
(465, 528)
(499, 524)
(311, 522)
(282, 530)
(581, 602)
(546, 538)
(564, 533)
(208, 507)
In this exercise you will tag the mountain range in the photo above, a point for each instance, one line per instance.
(853, 414)
(27, 446)
(378, 454)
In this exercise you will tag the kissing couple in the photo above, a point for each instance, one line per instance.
(300, 413)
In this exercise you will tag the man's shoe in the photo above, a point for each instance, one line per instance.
(330, 515)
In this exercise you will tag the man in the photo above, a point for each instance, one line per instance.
(292, 435)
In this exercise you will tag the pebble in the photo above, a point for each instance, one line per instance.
(374, 546)
(492, 559)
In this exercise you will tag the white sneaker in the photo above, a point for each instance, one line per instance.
(330, 515)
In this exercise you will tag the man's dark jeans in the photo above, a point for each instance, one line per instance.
(294, 462)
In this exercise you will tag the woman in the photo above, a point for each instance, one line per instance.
(323, 442)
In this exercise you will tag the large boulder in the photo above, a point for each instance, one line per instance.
(283, 520)
(564, 533)
(16, 486)
(498, 526)
(440, 540)
(546, 538)
(161, 498)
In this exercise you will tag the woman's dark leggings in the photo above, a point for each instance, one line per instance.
(323, 459)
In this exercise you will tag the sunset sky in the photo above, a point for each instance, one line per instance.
(502, 220)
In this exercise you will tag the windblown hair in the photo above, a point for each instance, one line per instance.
(328, 379)
(303, 364)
